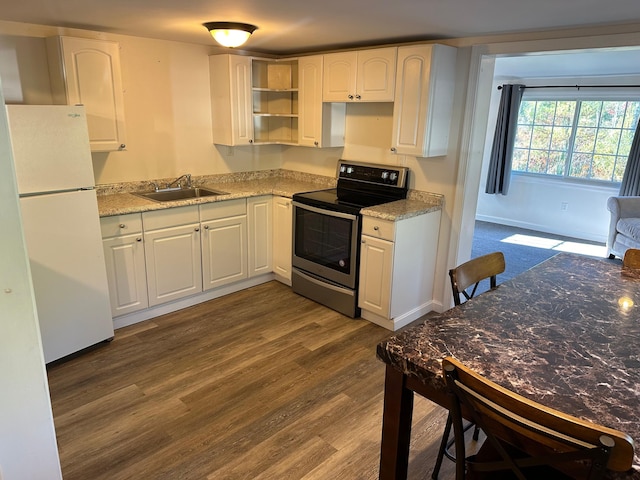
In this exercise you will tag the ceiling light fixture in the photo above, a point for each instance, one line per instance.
(230, 34)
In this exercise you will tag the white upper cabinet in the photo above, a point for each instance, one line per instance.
(87, 71)
(425, 83)
(231, 110)
(360, 76)
(320, 124)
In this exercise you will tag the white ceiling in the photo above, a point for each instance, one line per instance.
(295, 26)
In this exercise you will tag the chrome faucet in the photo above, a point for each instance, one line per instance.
(178, 181)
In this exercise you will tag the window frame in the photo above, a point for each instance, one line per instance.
(575, 94)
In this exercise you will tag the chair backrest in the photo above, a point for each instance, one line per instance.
(546, 436)
(471, 273)
(631, 258)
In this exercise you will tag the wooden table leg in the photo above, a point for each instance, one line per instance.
(396, 426)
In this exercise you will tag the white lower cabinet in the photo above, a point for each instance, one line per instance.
(259, 235)
(397, 266)
(282, 238)
(157, 257)
(124, 256)
(172, 253)
(224, 242)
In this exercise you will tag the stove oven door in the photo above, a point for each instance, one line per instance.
(325, 243)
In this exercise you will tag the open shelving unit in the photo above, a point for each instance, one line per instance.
(274, 86)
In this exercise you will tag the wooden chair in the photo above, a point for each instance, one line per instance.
(526, 439)
(631, 259)
(464, 276)
(471, 273)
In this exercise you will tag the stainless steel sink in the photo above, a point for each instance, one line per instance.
(179, 194)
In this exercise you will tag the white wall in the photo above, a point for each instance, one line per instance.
(28, 448)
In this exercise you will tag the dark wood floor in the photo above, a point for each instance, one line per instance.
(260, 384)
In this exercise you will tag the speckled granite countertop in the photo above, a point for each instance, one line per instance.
(556, 334)
(119, 199)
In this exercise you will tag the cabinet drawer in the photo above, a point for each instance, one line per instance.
(227, 208)
(378, 228)
(119, 225)
(170, 217)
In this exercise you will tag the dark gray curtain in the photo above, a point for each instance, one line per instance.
(504, 139)
(631, 179)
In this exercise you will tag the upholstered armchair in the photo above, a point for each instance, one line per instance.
(624, 227)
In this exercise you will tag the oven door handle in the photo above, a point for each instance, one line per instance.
(324, 211)
(324, 284)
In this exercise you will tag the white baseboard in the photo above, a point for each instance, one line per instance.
(401, 320)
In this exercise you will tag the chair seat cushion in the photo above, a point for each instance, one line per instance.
(629, 227)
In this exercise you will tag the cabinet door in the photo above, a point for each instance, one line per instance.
(282, 238)
(126, 273)
(376, 266)
(259, 235)
(310, 84)
(224, 251)
(173, 263)
(86, 71)
(339, 77)
(423, 103)
(320, 124)
(376, 76)
(231, 99)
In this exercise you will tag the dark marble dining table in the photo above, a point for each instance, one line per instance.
(565, 333)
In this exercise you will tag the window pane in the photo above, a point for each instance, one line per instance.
(523, 137)
(580, 165)
(565, 112)
(557, 161)
(538, 161)
(541, 137)
(589, 114)
(545, 113)
(602, 168)
(612, 114)
(585, 140)
(560, 138)
(633, 113)
(520, 159)
(618, 172)
(527, 112)
(607, 141)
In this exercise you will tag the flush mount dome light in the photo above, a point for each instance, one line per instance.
(230, 34)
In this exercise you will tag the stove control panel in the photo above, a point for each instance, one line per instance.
(392, 176)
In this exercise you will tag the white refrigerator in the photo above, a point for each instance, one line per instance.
(59, 209)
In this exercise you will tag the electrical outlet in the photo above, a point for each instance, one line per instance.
(564, 206)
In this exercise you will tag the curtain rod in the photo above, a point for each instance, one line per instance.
(576, 86)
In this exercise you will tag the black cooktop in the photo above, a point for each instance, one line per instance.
(359, 185)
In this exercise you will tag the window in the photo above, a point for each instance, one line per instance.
(586, 139)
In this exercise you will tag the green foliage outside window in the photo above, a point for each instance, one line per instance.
(584, 139)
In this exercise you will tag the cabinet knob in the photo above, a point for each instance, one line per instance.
(315, 143)
(122, 146)
(206, 227)
(122, 225)
(138, 239)
(364, 241)
(251, 140)
(393, 149)
(350, 97)
(197, 229)
(358, 97)
(376, 228)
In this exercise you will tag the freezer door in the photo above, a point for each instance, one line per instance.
(50, 147)
(63, 238)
